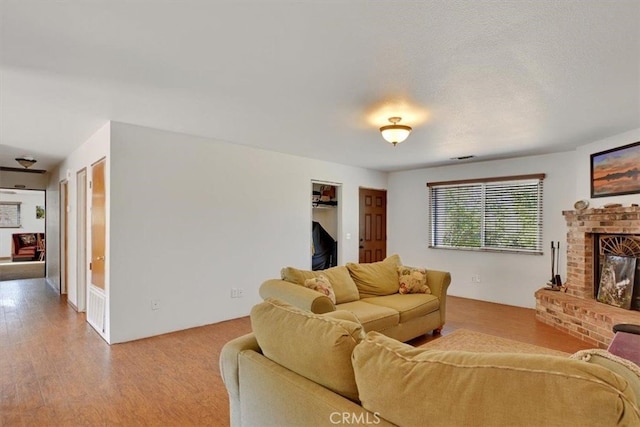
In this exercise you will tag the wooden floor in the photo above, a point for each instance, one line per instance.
(55, 370)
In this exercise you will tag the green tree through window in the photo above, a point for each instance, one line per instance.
(502, 214)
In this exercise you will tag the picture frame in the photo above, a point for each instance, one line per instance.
(616, 171)
(616, 281)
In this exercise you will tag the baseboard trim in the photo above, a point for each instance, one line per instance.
(75, 307)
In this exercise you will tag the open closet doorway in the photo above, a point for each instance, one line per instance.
(325, 224)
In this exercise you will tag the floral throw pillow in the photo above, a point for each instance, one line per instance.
(413, 280)
(321, 284)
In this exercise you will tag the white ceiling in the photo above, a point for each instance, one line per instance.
(494, 79)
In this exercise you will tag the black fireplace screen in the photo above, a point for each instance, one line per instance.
(614, 251)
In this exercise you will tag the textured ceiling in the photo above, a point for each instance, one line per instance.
(317, 78)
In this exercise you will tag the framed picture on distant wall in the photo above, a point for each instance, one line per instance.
(616, 171)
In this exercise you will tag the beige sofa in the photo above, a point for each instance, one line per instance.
(302, 369)
(371, 292)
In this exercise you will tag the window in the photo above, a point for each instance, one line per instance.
(493, 214)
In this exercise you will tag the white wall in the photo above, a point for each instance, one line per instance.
(192, 217)
(505, 278)
(95, 148)
(24, 180)
(30, 224)
(583, 176)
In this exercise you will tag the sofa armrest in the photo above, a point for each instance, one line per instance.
(230, 371)
(439, 282)
(229, 361)
(296, 295)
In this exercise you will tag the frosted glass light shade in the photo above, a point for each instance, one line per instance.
(395, 133)
(26, 161)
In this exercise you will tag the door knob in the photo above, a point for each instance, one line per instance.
(100, 258)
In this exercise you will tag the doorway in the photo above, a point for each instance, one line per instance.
(325, 224)
(97, 296)
(373, 225)
(22, 234)
(64, 233)
(81, 239)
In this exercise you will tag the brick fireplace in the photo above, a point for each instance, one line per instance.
(576, 311)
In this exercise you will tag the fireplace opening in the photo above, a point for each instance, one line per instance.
(617, 267)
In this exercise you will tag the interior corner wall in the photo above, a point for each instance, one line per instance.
(505, 278)
(95, 148)
(192, 218)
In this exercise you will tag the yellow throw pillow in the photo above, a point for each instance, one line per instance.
(342, 283)
(317, 347)
(323, 285)
(376, 278)
(413, 280)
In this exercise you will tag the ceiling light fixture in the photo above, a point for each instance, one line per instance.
(26, 161)
(395, 133)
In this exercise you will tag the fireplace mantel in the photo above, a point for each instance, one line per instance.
(576, 311)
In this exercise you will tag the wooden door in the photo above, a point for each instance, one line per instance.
(98, 226)
(373, 225)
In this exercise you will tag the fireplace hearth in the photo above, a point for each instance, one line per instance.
(592, 234)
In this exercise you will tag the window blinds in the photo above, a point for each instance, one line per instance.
(498, 214)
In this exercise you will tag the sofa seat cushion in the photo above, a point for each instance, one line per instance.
(342, 283)
(372, 317)
(314, 346)
(409, 306)
(495, 389)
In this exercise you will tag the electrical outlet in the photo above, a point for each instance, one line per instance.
(155, 304)
(237, 292)
(475, 278)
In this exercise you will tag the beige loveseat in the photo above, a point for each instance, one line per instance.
(371, 292)
(302, 369)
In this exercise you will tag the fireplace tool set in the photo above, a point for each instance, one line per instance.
(555, 284)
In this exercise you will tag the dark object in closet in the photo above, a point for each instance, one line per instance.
(325, 249)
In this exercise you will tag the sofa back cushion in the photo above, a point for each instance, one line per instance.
(343, 285)
(317, 347)
(486, 388)
(376, 278)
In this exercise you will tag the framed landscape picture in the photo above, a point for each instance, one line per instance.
(616, 171)
(616, 281)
